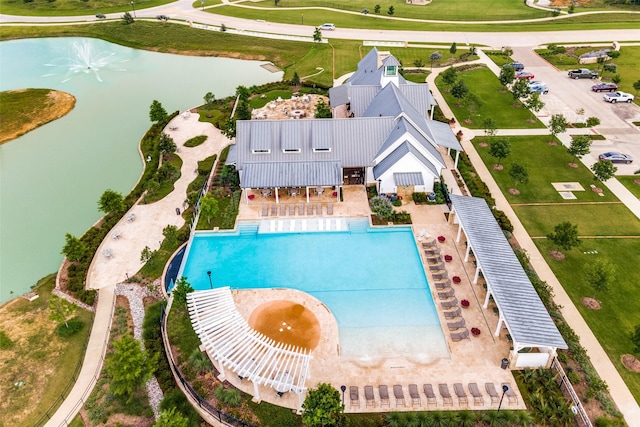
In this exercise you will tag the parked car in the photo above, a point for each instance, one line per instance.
(539, 88)
(518, 66)
(100, 15)
(524, 75)
(605, 87)
(583, 73)
(536, 83)
(615, 157)
(162, 18)
(618, 97)
(329, 27)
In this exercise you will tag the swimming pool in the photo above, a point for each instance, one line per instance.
(372, 280)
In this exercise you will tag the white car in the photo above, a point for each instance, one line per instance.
(329, 27)
(618, 97)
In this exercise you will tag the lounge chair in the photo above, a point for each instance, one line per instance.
(399, 395)
(491, 391)
(329, 208)
(459, 336)
(265, 210)
(274, 209)
(431, 396)
(460, 393)
(318, 208)
(478, 400)
(447, 294)
(450, 303)
(354, 396)
(434, 259)
(283, 209)
(368, 395)
(433, 251)
(384, 395)
(415, 396)
(300, 209)
(310, 209)
(440, 276)
(429, 244)
(452, 314)
(511, 395)
(443, 285)
(437, 267)
(292, 209)
(457, 324)
(446, 396)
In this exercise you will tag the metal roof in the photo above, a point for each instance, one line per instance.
(402, 150)
(525, 316)
(232, 156)
(291, 174)
(408, 178)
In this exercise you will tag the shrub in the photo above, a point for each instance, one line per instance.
(381, 206)
(573, 377)
(5, 341)
(419, 197)
(72, 327)
(397, 203)
(611, 68)
(562, 357)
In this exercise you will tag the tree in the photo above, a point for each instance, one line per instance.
(600, 274)
(520, 89)
(317, 35)
(507, 51)
(148, 256)
(507, 74)
(200, 361)
(564, 236)
(490, 126)
(166, 144)
(295, 81)
(111, 202)
(170, 233)
(323, 111)
(243, 93)
(127, 18)
(534, 103)
(376, 9)
(616, 78)
(603, 170)
(60, 310)
(435, 57)
(580, 146)
(558, 124)
(128, 367)
(322, 407)
(381, 206)
(391, 11)
(636, 86)
(459, 89)
(519, 173)
(500, 149)
(591, 122)
(181, 289)
(453, 48)
(73, 248)
(472, 103)
(449, 76)
(243, 112)
(208, 100)
(172, 418)
(157, 113)
(635, 339)
(209, 208)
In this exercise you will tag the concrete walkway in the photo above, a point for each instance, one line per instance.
(146, 230)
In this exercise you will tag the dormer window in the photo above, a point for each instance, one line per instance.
(291, 150)
(261, 151)
(322, 150)
(390, 70)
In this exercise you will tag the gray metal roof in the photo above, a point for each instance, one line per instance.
(232, 156)
(402, 150)
(408, 178)
(442, 133)
(370, 72)
(291, 174)
(525, 315)
(339, 95)
(404, 126)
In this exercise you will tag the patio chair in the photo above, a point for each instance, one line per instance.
(265, 210)
(329, 208)
(491, 391)
(443, 285)
(457, 324)
(429, 244)
(431, 396)
(415, 396)
(274, 209)
(440, 276)
(384, 395)
(450, 303)
(433, 251)
(434, 259)
(283, 209)
(318, 208)
(354, 396)
(452, 314)
(300, 209)
(461, 394)
(292, 209)
(447, 294)
(368, 395)
(459, 336)
(107, 252)
(310, 209)
(437, 267)
(511, 395)
(478, 400)
(446, 396)
(399, 395)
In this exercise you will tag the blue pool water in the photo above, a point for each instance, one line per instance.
(372, 281)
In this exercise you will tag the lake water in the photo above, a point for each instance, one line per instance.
(52, 178)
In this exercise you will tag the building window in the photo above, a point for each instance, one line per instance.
(291, 150)
(322, 150)
(390, 70)
(261, 151)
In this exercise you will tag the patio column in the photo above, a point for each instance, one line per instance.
(222, 375)
(459, 232)
(477, 275)
(500, 321)
(307, 192)
(256, 392)
(466, 255)
(431, 114)
(246, 195)
(486, 298)
(339, 188)
(277, 198)
(455, 163)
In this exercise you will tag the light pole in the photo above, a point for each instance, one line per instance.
(211, 284)
(343, 388)
(302, 18)
(134, 9)
(505, 389)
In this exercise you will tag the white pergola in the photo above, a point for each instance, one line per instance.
(228, 339)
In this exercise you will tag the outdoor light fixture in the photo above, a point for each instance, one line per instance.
(343, 388)
(210, 283)
(133, 8)
(505, 389)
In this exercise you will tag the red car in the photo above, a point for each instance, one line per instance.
(605, 87)
(524, 75)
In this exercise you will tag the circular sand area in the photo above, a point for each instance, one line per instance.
(286, 322)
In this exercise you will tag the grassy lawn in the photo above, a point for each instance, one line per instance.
(416, 77)
(73, 8)
(620, 311)
(628, 181)
(497, 102)
(38, 356)
(527, 151)
(259, 102)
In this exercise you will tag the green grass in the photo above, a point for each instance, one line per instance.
(620, 311)
(166, 186)
(416, 77)
(72, 7)
(527, 151)
(497, 102)
(196, 141)
(627, 181)
(259, 101)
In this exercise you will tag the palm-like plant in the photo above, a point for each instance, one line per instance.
(524, 418)
(394, 419)
(410, 419)
(466, 418)
(422, 419)
(437, 418)
(200, 361)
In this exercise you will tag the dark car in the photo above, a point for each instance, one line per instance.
(100, 15)
(615, 157)
(518, 66)
(605, 87)
(162, 18)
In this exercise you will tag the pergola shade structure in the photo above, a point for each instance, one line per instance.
(228, 339)
(520, 307)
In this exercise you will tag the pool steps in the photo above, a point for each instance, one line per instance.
(300, 225)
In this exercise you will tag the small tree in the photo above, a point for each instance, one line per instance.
(435, 57)
(490, 126)
(564, 236)
(592, 121)
(157, 113)
(507, 51)
(636, 86)
(166, 144)
(520, 89)
(580, 146)
(453, 48)
(418, 63)
(603, 170)
(170, 233)
(73, 248)
(243, 93)
(381, 206)
(60, 310)
(459, 89)
(243, 112)
(519, 173)
(449, 77)
(148, 256)
(127, 18)
(507, 74)
(600, 274)
(534, 103)
(616, 78)
(322, 407)
(181, 289)
(558, 124)
(376, 9)
(295, 80)
(111, 201)
(208, 100)
(209, 208)
(323, 111)
(172, 418)
(391, 11)
(317, 35)
(128, 367)
(472, 103)
(500, 149)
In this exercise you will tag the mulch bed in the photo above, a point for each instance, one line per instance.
(593, 304)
